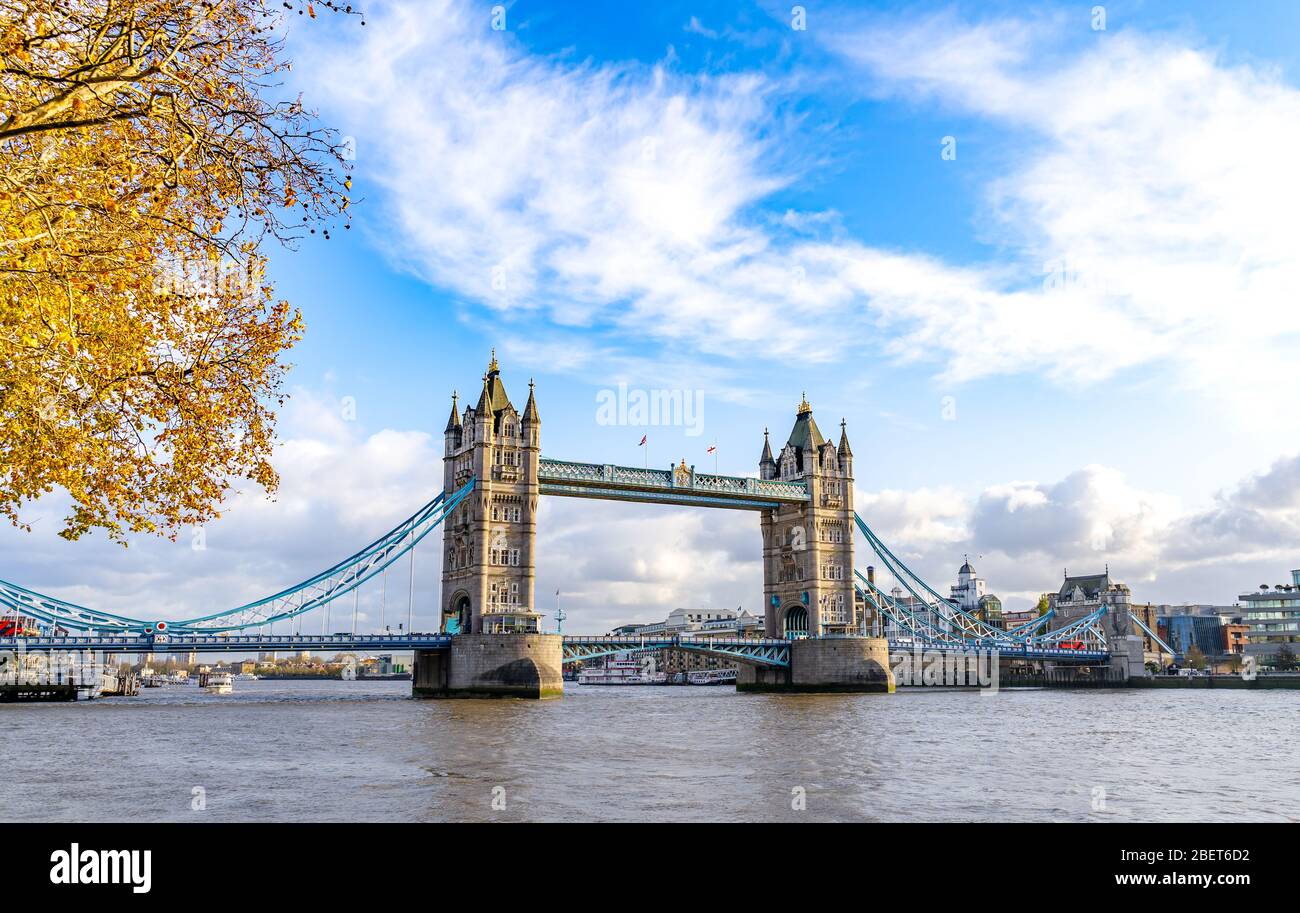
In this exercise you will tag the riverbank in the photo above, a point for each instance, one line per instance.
(1218, 681)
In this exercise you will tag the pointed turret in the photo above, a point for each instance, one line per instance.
(805, 435)
(530, 409)
(845, 450)
(766, 465)
(453, 421)
(494, 399)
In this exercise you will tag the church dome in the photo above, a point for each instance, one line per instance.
(967, 569)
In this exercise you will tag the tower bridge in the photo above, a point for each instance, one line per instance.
(827, 625)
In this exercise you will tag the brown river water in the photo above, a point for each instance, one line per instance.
(365, 751)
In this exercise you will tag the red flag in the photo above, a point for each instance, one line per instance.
(713, 448)
(643, 437)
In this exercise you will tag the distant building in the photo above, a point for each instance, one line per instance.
(700, 622)
(1080, 596)
(722, 622)
(1150, 616)
(1083, 595)
(742, 624)
(1014, 619)
(1204, 632)
(1199, 608)
(1235, 638)
(970, 596)
(1273, 617)
(1215, 630)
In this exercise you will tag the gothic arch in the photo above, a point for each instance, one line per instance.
(794, 622)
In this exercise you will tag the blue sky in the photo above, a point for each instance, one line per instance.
(1070, 345)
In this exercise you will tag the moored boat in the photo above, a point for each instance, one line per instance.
(624, 671)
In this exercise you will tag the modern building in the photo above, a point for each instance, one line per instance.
(1273, 618)
(1199, 608)
(1183, 632)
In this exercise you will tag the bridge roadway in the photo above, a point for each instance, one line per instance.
(766, 651)
(234, 643)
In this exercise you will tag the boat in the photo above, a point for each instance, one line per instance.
(246, 677)
(711, 677)
(217, 683)
(624, 671)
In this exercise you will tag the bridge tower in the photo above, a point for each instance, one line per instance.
(489, 540)
(808, 547)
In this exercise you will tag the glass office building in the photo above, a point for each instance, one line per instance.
(1273, 615)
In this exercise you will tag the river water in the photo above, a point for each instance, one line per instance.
(364, 751)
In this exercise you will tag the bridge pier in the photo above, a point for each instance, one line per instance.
(491, 665)
(1127, 658)
(828, 664)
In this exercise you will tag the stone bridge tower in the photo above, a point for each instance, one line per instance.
(489, 540)
(808, 547)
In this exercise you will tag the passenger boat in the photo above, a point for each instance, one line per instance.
(624, 671)
(218, 683)
(711, 677)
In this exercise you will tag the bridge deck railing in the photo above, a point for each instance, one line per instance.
(688, 480)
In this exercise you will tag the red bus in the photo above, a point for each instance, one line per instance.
(17, 627)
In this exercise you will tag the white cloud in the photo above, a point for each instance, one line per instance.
(1089, 513)
(1023, 534)
(699, 28)
(1153, 180)
(628, 200)
(1259, 519)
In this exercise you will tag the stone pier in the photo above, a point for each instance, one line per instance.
(830, 664)
(492, 665)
